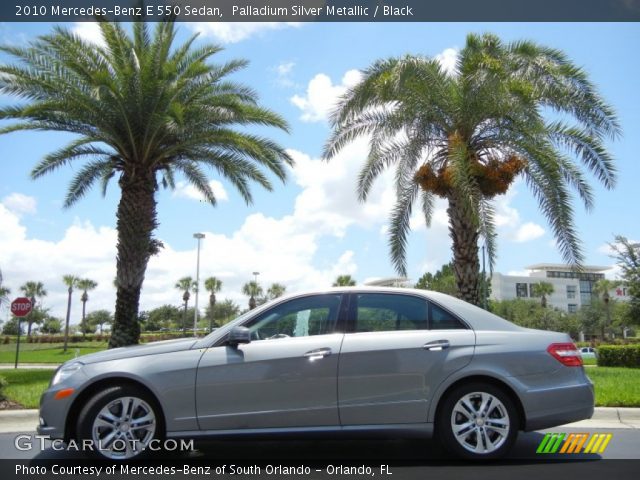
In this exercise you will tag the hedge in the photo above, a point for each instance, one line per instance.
(619, 356)
(93, 337)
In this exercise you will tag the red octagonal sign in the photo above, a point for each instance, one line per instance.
(21, 306)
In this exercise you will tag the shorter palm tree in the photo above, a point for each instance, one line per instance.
(85, 285)
(344, 281)
(71, 281)
(276, 290)
(253, 290)
(542, 290)
(186, 285)
(4, 291)
(212, 285)
(33, 291)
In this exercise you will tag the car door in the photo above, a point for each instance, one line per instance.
(285, 377)
(398, 349)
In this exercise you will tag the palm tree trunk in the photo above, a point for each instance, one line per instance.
(184, 319)
(84, 327)
(66, 323)
(136, 221)
(464, 234)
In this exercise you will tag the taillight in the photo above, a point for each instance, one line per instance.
(566, 353)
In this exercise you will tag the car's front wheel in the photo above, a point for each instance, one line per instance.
(478, 421)
(121, 422)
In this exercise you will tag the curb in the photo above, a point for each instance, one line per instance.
(603, 418)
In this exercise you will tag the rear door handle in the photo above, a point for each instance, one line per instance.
(318, 353)
(436, 345)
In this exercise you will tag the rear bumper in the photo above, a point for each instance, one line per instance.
(558, 406)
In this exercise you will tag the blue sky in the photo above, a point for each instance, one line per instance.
(309, 231)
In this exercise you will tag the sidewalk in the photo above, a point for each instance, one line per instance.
(603, 418)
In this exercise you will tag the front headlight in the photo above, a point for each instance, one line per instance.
(65, 371)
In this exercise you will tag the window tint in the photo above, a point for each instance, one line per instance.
(443, 320)
(301, 317)
(387, 312)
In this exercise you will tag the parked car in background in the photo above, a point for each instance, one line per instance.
(588, 352)
(344, 360)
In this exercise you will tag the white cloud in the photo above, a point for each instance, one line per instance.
(234, 32)
(187, 190)
(529, 231)
(89, 32)
(20, 204)
(448, 59)
(283, 74)
(322, 95)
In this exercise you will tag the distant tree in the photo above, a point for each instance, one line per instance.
(213, 285)
(601, 289)
(34, 291)
(443, 280)
(10, 327)
(224, 312)
(4, 291)
(592, 317)
(71, 281)
(185, 285)
(276, 290)
(344, 281)
(253, 290)
(531, 314)
(627, 254)
(85, 284)
(163, 317)
(542, 290)
(99, 318)
(51, 326)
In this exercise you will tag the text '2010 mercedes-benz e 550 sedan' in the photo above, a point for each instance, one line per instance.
(344, 360)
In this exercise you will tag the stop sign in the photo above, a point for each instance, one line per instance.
(21, 306)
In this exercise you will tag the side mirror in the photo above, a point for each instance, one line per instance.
(239, 335)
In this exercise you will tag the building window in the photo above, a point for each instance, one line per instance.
(572, 307)
(571, 291)
(521, 290)
(585, 292)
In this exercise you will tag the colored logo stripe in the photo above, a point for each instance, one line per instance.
(573, 443)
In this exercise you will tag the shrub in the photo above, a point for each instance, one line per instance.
(619, 356)
(3, 383)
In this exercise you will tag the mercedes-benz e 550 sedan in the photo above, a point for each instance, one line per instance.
(344, 360)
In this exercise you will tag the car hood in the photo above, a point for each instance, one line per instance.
(153, 348)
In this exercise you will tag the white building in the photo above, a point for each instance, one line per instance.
(571, 288)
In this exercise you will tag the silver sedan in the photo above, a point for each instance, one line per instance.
(346, 360)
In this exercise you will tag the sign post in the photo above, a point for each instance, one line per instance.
(20, 307)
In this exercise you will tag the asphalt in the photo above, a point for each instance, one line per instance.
(603, 418)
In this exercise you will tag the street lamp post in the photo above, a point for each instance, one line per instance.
(198, 236)
(252, 301)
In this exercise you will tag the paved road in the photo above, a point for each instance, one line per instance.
(624, 445)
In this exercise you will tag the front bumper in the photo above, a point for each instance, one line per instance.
(53, 413)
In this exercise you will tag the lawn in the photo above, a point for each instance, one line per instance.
(26, 386)
(616, 386)
(47, 352)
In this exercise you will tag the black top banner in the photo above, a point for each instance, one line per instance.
(323, 10)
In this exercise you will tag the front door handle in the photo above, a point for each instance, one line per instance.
(436, 345)
(318, 353)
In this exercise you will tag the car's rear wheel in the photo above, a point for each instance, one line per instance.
(478, 421)
(121, 422)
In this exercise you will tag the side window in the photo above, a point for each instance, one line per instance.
(301, 317)
(378, 312)
(443, 320)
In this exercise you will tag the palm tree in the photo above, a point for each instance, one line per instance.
(143, 111)
(212, 285)
(33, 291)
(542, 290)
(71, 281)
(4, 291)
(276, 290)
(252, 290)
(85, 285)
(186, 285)
(344, 281)
(466, 136)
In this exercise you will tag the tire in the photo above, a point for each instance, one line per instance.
(120, 421)
(477, 421)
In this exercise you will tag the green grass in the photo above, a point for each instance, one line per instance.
(589, 361)
(616, 386)
(47, 352)
(26, 386)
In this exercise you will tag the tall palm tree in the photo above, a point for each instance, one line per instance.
(212, 285)
(542, 290)
(467, 136)
(276, 290)
(71, 281)
(4, 291)
(34, 291)
(85, 284)
(143, 111)
(186, 285)
(253, 290)
(344, 281)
